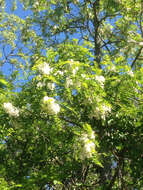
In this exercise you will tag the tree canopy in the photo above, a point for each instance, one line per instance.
(71, 111)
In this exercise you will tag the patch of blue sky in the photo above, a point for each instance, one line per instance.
(7, 52)
(19, 11)
(74, 92)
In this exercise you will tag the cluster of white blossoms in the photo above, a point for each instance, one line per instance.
(44, 68)
(100, 112)
(10, 109)
(69, 82)
(141, 43)
(112, 68)
(36, 4)
(55, 27)
(50, 105)
(40, 84)
(59, 73)
(51, 85)
(105, 111)
(88, 146)
(72, 66)
(84, 77)
(100, 79)
(130, 73)
(75, 71)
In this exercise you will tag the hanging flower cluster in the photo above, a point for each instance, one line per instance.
(87, 146)
(130, 73)
(100, 79)
(69, 82)
(40, 84)
(44, 68)
(105, 111)
(51, 85)
(50, 105)
(75, 71)
(10, 109)
(101, 112)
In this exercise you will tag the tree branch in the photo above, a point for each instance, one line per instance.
(137, 56)
(140, 19)
(68, 121)
(96, 24)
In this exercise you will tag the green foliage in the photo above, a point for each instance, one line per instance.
(71, 109)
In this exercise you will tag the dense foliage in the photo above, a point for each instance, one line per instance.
(71, 112)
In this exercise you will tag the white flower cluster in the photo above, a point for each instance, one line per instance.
(71, 66)
(130, 73)
(100, 79)
(69, 82)
(40, 84)
(105, 110)
(10, 109)
(75, 71)
(88, 148)
(112, 68)
(50, 106)
(141, 43)
(55, 27)
(59, 73)
(100, 112)
(51, 86)
(44, 68)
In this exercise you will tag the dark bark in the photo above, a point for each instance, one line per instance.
(96, 23)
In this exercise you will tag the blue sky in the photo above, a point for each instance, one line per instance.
(22, 14)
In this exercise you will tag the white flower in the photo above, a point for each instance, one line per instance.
(40, 84)
(68, 82)
(46, 99)
(113, 68)
(100, 112)
(100, 79)
(106, 109)
(10, 109)
(71, 60)
(59, 73)
(96, 113)
(84, 137)
(141, 43)
(130, 73)
(90, 14)
(36, 4)
(83, 75)
(89, 148)
(39, 77)
(55, 27)
(44, 68)
(51, 86)
(50, 105)
(69, 65)
(98, 99)
(75, 70)
(92, 135)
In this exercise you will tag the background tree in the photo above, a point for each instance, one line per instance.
(75, 121)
